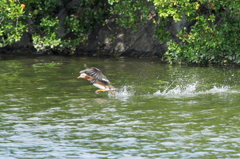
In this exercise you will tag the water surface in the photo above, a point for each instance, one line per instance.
(159, 111)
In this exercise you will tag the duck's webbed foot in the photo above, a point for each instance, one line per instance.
(100, 90)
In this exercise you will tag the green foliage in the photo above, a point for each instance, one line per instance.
(213, 37)
(42, 19)
(132, 13)
(11, 26)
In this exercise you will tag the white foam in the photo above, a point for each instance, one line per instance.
(190, 90)
(123, 93)
(179, 90)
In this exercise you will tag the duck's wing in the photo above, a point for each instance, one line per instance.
(96, 74)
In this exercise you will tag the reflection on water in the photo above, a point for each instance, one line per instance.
(160, 111)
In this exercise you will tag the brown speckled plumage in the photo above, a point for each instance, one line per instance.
(97, 78)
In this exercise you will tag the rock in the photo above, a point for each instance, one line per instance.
(114, 40)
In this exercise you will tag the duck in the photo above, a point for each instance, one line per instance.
(98, 79)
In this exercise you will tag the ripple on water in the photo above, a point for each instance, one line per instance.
(57, 118)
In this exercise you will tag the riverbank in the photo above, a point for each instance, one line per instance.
(196, 32)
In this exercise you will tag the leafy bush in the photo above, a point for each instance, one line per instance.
(213, 37)
(132, 13)
(41, 18)
(11, 22)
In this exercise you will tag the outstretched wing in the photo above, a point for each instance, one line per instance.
(96, 74)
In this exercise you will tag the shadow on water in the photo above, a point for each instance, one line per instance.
(160, 111)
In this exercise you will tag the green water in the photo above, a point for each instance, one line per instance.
(159, 111)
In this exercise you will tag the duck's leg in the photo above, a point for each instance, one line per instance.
(100, 90)
(112, 92)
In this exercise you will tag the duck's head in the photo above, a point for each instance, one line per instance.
(83, 75)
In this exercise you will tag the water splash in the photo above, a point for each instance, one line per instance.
(191, 90)
(178, 90)
(123, 93)
(221, 89)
